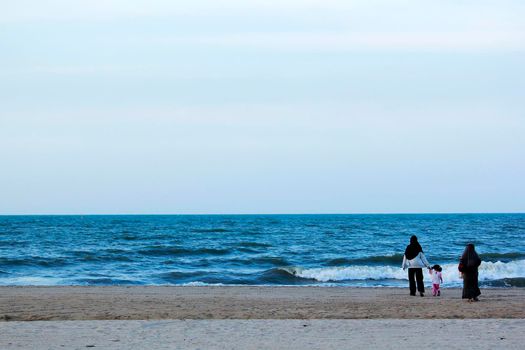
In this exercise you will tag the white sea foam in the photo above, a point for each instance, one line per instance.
(488, 271)
(199, 283)
(31, 281)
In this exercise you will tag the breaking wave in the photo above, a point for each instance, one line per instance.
(488, 271)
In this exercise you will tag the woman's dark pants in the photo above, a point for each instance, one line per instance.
(418, 274)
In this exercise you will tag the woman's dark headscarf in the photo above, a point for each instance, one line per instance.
(470, 258)
(413, 249)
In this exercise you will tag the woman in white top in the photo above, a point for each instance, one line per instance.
(415, 260)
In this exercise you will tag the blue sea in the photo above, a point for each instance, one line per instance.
(326, 250)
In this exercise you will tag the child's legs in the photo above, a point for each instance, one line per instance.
(435, 289)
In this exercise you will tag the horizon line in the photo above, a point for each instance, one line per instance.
(248, 214)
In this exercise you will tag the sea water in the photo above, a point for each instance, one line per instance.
(328, 250)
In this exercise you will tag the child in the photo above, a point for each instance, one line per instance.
(437, 279)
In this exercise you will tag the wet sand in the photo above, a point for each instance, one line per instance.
(185, 303)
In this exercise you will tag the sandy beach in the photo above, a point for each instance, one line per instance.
(159, 302)
(264, 334)
(158, 317)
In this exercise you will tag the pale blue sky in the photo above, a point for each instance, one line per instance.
(236, 106)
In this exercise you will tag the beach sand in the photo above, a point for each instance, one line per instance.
(156, 317)
(158, 302)
(264, 334)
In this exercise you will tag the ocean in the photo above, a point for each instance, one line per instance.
(325, 250)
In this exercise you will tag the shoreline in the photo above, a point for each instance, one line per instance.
(32, 303)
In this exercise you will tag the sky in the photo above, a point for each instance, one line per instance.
(291, 106)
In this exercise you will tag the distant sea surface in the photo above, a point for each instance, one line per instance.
(328, 250)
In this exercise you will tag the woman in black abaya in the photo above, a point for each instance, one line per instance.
(468, 265)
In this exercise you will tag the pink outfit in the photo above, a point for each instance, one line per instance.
(435, 290)
(436, 280)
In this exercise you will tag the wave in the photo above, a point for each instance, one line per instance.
(210, 230)
(178, 275)
(35, 261)
(250, 247)
(507, 282)
(253, 245)
(258, 261)
(131, 237)
(279, 276)
(116, 251)
(347, 273)
(106, 281)
(109, 255)
(505, 257)
(248, 250)
(201, 284)
(31, 281)
(208, 277)
(172, 251)
(395, 259)
(17, 244)
(488, 271)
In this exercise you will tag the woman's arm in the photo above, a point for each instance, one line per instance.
(403, 265)
(461, 266)
(424, 260)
